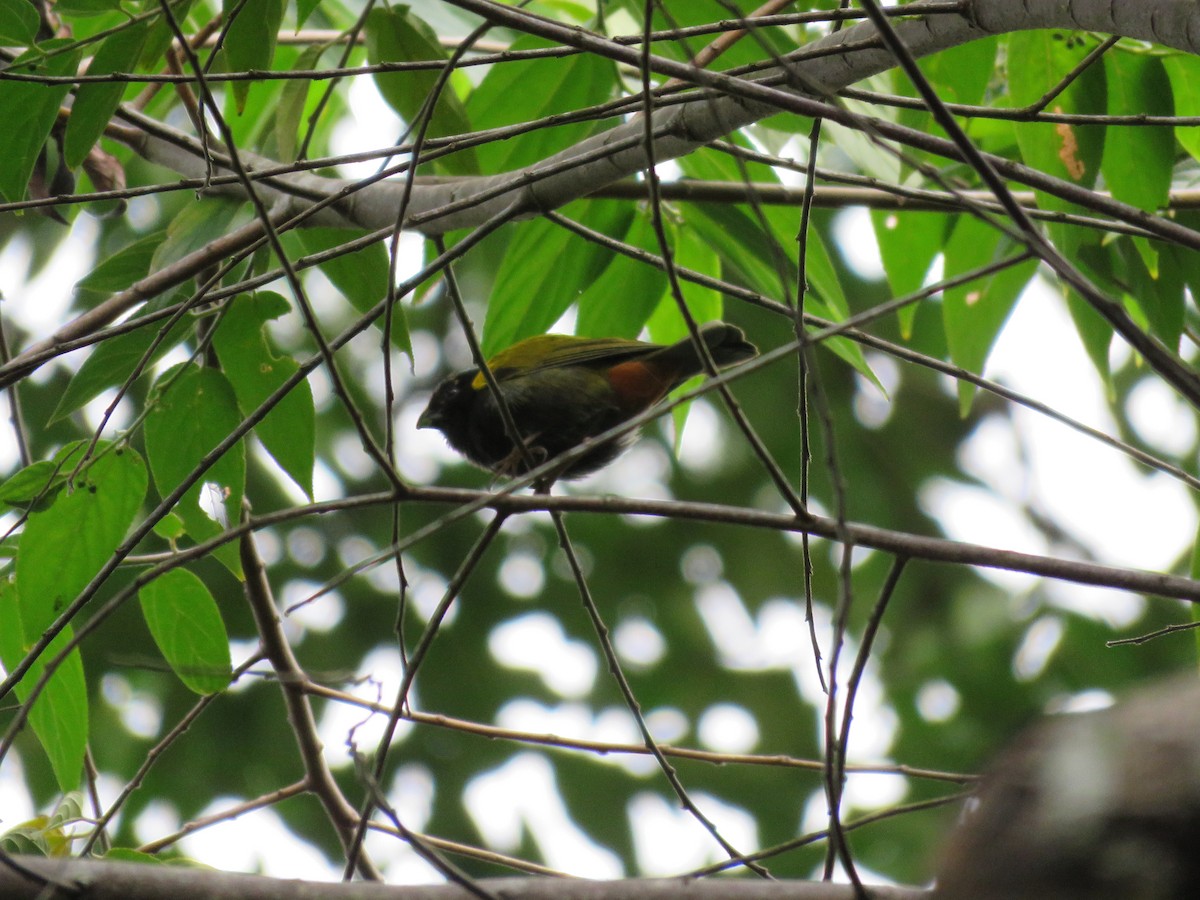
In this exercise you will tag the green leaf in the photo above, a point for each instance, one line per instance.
(119, 271)
(769, 41)
(38, 480)
(1138, 160)
(161, 37)
(197, 225)
(61, 549)
(304, 9)
(1188, 262)
(618, 303)
(1184, 73)
(87, 7)
(909, 242)
(396, 35)
(667, 326)
(544, 270)
(532, 291)
(170, 527)
(1096, 259)
(1071, 152)
(752, 256)
(47, 835)
(746, 251)
(193, 409)
(292, 99)
(65, 545)
(114, 360)
(250, 39)
(18, 22)
(706, 304)
(1095, 332)
(30, 111)
(564, 86)
(289, 430)
(742, 246)
(95, 102)
(59, 716)
(361, 276)
(1158, 294)
(974, 313)
(1038, 60)
(823, 277)
(962, 74)
(187, 627)
(959, 74)
(39, 483)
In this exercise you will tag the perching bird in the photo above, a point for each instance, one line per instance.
(562, 390)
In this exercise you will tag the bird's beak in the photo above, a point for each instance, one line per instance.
(428, 419)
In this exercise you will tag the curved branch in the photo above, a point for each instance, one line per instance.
(728, 103)
(103, 880)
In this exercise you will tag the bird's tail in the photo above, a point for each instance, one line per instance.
(726, 344)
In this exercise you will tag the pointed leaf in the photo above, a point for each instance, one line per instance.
(1158, 294)
(396, 35)
(667, 326)
(18, 22)
(544, 271)
(30, 111)
(962, 74)
(96, 102)
(1072, 152)
(119, 271)
(59, 716)
(361, 276)
(255, 371)
(618, 303)
(1184, 73)
(250, 39)
(187, 627)
(908, 244)
(38, 480)
(564, 86)
(197, 225)
(63, 547)
(1138, 160)
(292, 99)
(1095, 332)
(116, 358)
(1038, 60)
(193, 409)
(975, 312)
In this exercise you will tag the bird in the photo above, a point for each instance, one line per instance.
(562, 390)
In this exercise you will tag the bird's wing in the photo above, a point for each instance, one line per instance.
(550, 351)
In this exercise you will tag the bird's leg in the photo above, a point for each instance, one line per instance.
(531, 455)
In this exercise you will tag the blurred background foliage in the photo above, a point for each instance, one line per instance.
(708, 619)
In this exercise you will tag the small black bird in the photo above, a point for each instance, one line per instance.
(562, 390)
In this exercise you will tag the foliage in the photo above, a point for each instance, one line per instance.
(224, 411)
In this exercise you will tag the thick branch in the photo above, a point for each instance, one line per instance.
(732, 103)
(300, 715)
(130, 881)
